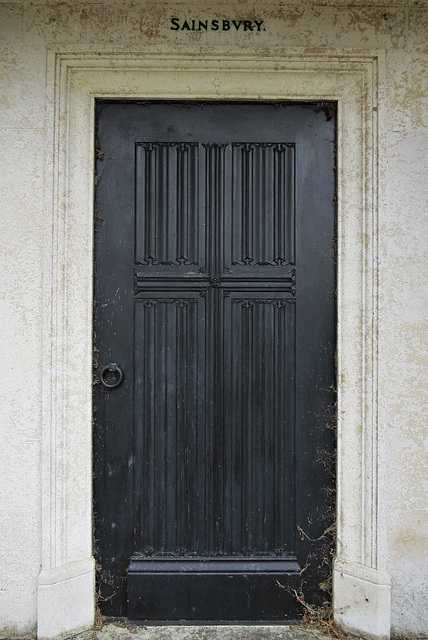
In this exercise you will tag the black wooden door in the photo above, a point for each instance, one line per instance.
(214, 290)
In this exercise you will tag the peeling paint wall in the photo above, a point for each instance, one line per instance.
(27, 29)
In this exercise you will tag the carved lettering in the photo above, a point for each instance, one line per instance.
(216, 25)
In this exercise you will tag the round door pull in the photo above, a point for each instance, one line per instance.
(111, 376)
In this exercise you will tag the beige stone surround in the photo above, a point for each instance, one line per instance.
(75, 78)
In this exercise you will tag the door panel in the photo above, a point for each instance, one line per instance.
(169, 209)
(258, 464)
(212, 455)
(170, 389)
(259, 231)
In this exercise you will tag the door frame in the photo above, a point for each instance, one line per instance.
(75, 78)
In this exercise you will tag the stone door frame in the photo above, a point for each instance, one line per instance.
(75, 79)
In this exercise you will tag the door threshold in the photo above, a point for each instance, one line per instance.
(291, 630)
(133, 625)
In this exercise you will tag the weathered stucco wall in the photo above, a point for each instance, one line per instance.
(401, 31)
(21, 191)
(403, 328)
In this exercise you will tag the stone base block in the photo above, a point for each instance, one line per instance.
(66, 599)
(362, 599)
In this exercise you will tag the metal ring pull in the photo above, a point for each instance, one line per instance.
(114, 380)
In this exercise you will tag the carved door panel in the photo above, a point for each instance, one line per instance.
(214, 316)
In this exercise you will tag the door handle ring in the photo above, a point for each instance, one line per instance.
(117, 379)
